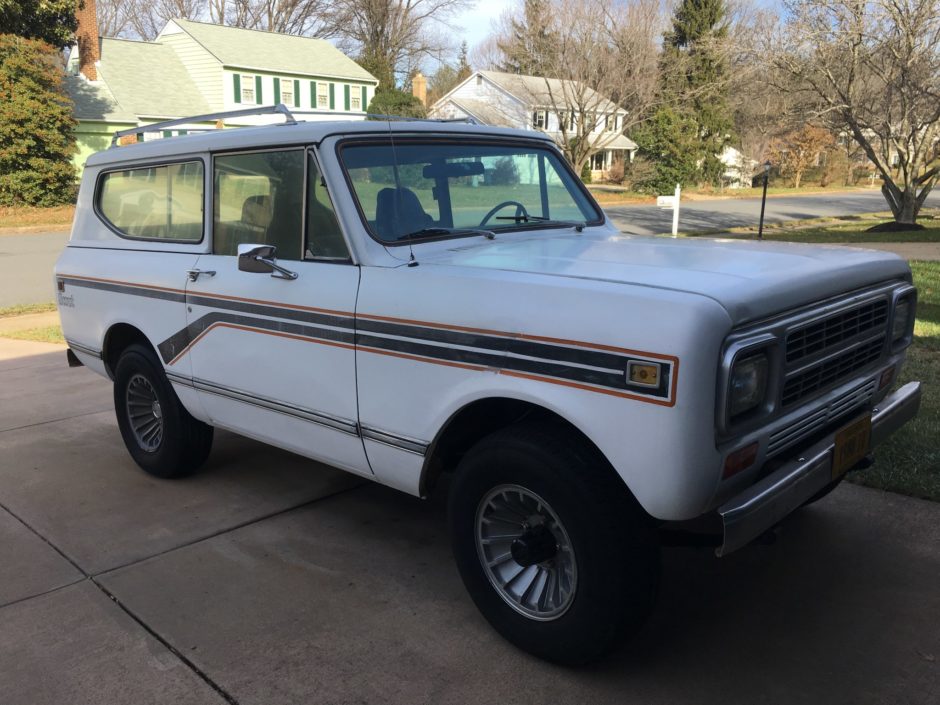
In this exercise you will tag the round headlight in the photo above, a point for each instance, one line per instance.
(748, 384)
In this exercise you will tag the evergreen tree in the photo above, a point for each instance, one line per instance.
(463, 63)
(52, 21)
(36, 125)
(530, 47)
(693, 92)
(670, 140)
(395, 102)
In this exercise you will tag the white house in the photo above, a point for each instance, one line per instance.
(535, 103)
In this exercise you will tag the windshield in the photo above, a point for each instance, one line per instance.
(418, 189)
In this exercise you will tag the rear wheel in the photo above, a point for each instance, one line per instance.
(553, 550)
(161, 436)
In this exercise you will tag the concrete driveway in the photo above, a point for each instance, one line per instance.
(271, 579)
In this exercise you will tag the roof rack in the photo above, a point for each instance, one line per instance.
(279, 109)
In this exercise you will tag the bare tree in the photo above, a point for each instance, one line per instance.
(303, 17)
(799, 150)
(114, 17)
(392, 37)
(872, 68)
(602, 77)
(148, 17)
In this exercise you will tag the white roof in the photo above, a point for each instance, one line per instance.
(288, 134)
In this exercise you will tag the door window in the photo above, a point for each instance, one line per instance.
(324, 238)
(258, 199)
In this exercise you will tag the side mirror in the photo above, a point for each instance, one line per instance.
(256, 258)
(260, 259)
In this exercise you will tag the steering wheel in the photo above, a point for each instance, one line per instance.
(521, 212)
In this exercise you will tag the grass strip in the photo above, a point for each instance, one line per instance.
(26, 309)
(45, 334)
(909, 463)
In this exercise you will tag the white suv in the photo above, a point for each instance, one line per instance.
(407, 299)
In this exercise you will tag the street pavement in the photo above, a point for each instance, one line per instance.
(26, 260)
(724, 213)
(268, 579)
(26, 263)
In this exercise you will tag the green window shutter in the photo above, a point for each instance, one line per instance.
(167, 133)
(332, 96)
(277, 90)
(258, 98)
(346, 97)
(296, 93)
(313, 95)
(365, 103)
(237, 80)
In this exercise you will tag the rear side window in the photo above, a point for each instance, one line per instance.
(155, 202)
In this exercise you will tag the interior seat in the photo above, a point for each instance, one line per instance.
(398, 212)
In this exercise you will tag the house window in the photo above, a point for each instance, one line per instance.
(355, 103)
(323, 95)
(248, 89)
(287, 93)
(539, 119)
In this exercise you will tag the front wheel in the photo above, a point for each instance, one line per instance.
(553, 550)
(161, 436)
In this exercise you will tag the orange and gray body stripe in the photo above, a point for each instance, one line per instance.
(592, 367)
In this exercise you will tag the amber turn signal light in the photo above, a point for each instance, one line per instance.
(739, 460)
(645, 374)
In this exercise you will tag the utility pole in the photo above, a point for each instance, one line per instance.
(763, 201)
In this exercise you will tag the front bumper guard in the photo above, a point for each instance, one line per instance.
(764, 504)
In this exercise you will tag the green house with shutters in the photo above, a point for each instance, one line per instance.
(195, 68)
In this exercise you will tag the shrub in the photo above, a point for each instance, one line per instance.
(36, 126)
(586, 172)
(638, 173)
(616, 172)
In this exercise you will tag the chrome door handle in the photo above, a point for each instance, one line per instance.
(194, 274)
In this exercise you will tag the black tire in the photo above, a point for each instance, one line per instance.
(184, 442)
(614, 545)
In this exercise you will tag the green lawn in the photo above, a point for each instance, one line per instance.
(25, 309)
(13, 218)
(45, 334)
(910, 462)
(848, 229)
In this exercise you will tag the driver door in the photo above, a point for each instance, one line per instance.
(273, 354)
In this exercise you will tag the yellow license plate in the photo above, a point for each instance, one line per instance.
(852, 444)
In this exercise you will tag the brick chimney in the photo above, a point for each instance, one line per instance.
(419, 88)
(87, 39)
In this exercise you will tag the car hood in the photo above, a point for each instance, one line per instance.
(750, 279)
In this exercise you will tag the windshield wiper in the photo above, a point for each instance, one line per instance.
(577, 225)
(438, 230)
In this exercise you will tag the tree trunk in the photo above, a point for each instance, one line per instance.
(797, 177)
(904, 204)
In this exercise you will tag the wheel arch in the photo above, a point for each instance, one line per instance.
(117, 339)
(481, 417)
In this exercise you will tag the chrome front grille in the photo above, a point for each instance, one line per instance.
(830, 371)
(810, 423)
(820, 336)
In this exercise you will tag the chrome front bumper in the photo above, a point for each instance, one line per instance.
(761, 506)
